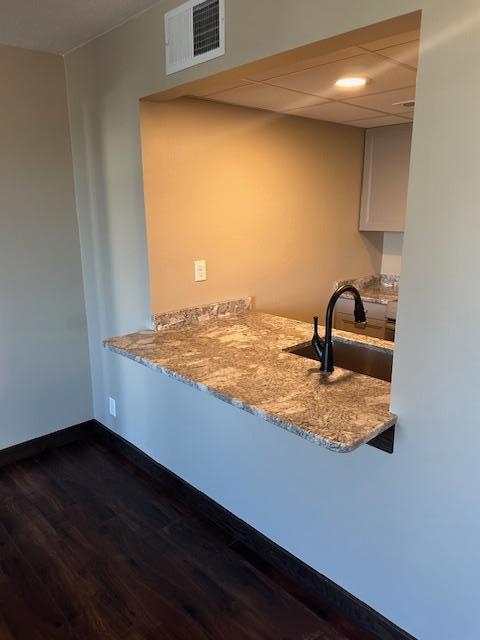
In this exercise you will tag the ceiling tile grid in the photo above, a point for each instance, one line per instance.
(307, 88)
(382, 73)
(264, 96)
(335, 111)
(301, 65)
(387, 101)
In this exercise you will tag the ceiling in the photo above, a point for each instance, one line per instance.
(58, 26)
(307, 88)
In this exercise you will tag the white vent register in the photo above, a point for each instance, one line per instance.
(194, 33)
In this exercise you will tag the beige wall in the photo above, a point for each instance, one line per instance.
(270, 201)
(44, 366)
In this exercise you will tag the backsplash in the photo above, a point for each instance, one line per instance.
(372, 281)
(381, 289)
(389, 280)
(195, 315)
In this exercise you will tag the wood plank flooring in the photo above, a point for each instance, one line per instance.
(91, 548)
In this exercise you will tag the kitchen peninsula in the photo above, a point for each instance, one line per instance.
(240, 358)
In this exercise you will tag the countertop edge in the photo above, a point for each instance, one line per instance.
(268, 417)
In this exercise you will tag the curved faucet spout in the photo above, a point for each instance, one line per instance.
(359, 311)
(324, 348)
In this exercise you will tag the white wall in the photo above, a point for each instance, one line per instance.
(44, 366)
(392, 253)
(400, 532)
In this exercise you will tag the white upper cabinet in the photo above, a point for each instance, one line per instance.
(385, 178)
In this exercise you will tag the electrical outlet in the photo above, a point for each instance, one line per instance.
(200, 270)
(112, 407)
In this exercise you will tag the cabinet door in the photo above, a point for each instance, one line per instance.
(385, 178)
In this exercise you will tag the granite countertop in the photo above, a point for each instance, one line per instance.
(240, 360)
(378, 289)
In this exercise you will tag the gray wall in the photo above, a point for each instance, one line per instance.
(400, 532)
(44, 366)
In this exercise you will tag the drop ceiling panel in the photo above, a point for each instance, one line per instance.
(320, 81)
(380, 121)
(401, 38)
(386, 101)
(334, 112)
(260, 96)
(220, 86)
(404, 53)
(306, 88)
(301, 65)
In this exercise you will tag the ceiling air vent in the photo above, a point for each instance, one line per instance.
(194, 33)
(407, 104)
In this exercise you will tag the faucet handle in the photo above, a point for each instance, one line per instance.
(317, 342)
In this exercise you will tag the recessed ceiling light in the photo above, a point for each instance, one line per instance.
(351, 82)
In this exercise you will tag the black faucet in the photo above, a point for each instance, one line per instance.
(324, 347)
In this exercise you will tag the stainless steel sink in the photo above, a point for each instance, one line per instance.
(354, 357)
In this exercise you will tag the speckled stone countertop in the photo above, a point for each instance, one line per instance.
(380, 289)
(240, 360)
(197, 315)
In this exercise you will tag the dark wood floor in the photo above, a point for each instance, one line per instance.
(91, 548)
